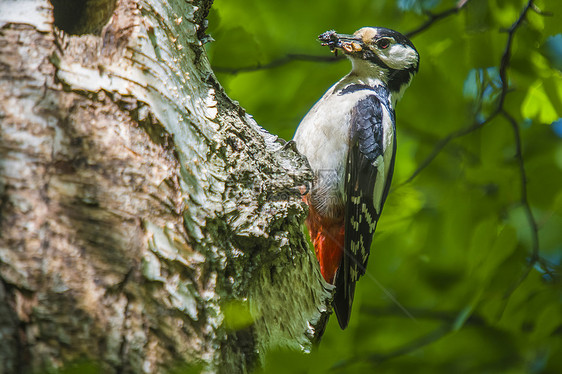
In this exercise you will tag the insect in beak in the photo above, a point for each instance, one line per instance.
(335, 41)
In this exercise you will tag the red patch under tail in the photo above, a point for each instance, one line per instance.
(328, 238)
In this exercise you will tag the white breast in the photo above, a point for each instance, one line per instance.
(323, 137)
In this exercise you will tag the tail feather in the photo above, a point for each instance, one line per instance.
(343, 299)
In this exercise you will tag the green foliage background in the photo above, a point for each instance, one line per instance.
(454, 284)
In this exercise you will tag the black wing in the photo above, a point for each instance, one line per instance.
(364, 172)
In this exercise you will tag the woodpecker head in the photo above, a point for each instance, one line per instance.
(377, 53)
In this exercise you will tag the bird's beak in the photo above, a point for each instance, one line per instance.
(347, 43)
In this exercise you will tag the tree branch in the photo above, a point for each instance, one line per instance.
(505, 61)
(433, 18)
(276, 63)
(504, 64)
(423, 341)
(421, 313)
(524, 198)
(443, 143)
(451, 323)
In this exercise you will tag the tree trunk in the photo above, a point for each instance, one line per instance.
(146, 221)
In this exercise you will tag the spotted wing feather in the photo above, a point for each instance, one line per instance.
(364, 170)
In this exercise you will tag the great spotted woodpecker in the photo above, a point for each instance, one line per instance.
(349, 139)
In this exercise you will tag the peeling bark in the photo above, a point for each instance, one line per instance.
(138, 202)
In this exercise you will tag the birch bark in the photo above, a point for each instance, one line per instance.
(146, 221)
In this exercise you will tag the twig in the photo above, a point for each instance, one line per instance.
(425, 340)
(540, 12)
(430, 314)
(276, 63)
(443, 143)
(505, 61)
(378, 358)
(311, 58)
(452, 324)
(437, 17)
(528, 212)
(524, 199)
(504, 64)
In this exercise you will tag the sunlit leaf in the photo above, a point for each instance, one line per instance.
(538, 106)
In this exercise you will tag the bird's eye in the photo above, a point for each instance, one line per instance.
(383, 43)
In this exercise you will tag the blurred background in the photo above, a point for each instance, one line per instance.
(464, 272)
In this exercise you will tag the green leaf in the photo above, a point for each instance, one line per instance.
(537, 105)
(547, 321)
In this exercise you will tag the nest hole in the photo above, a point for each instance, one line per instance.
(78, 17)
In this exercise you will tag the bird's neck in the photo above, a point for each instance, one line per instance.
(396, 81)
(370, 81)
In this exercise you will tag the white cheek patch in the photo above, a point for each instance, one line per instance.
(399, 57)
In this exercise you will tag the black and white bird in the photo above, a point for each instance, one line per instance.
(349, 138)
